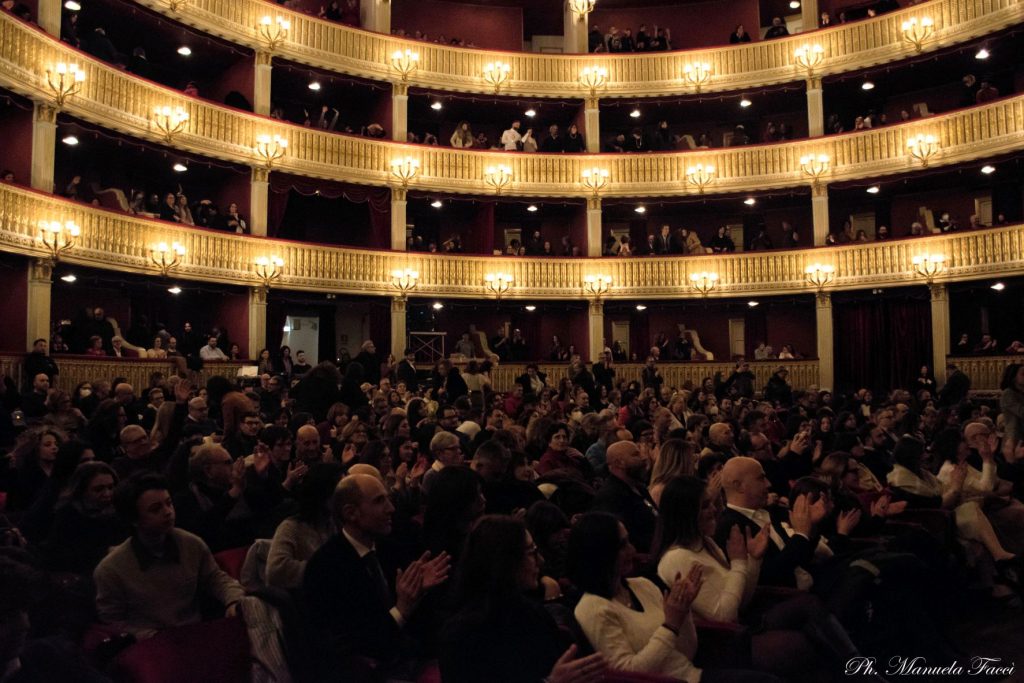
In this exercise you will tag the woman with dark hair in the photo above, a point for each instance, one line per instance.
(301, 535)
(38, 519)
(560, 456)
(104, 429)
(496, 633)
(264, 363)
(376, 454)
(285, 361)
(550, 529)
(35, 460)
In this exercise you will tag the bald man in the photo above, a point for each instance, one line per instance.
(721, 439)
(198, 420)
(625, 495)
(307, 446)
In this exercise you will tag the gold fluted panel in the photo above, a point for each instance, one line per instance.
(77, 369)
(117, 100)
(985, 371)
(847, 47)
(122, 242)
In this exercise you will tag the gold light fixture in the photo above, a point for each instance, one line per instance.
(581, 8)
(404, 281)
(929, 265)
(497, 74)
(815, 166)
(165, 257)
(697, 74)
(405, 169)
(58, 237)
(405, 62)
(498, 177)
(64, 81)
(820, 275)
(273, 30)
(596, 286)
(269, 269)
(922, 147)
(916, 31)
(808, 56)
(270, 149)
(594, 179)
(498, 283)
(704, 282)
(169, 121)
(700, 176)
(594, 78)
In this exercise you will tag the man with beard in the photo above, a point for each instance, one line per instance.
(625, 495)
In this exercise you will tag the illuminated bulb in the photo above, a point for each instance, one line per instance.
(530, 308)
(532, 208)
(314, 85)
(180, 168)
(874, 189)
(184, 50)
(982, 54)
(72, 6)
(635, 114)
(286, 328)
(70, 140)
(437, 106)
(745, 103)
(795, 4)
(641, 307)
(438, 306)
(174, 290)
(69, 278)
(641, 209)
(999, 286)
(867, 85)
(753, 304)
(437, 203)
(750, 201)
(531, 113)
(988, 170)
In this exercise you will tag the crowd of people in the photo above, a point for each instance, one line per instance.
(944, 223)
(399, 520)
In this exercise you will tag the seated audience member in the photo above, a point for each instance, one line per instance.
(34, 463)
(625, 494)
(502, 491)
(497, 633)
(446, 450)
(158, 577)
(211, 352)
(215, 486)
(560, 456)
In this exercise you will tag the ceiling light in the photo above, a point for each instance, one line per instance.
(999, 286)
(641, 307)
(70, 140)
(867, 85)
(174, 290)
(184, 51)
(314, 85)
(180, 167)
(982, 54)
(532, 208)
(69, 278)
(437, 203)
(531, 113)
(72, 5)
(286, 328)
(795, 4)
(641, 209)
(437, 106)
(635, 114)
(745, 103)
(438, 306)
(531, 308)
(988, 169)
(753, 304)
(750, 201)
(874, 189)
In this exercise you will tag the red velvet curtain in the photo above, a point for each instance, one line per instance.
(756, 330)
(881, 343)
(379, 199)
(483, 229)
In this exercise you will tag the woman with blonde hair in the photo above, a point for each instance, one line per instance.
(676, 458)
(463, 136)
(162, 423)
(182, 212)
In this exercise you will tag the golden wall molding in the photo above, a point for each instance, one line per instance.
(116, 100)
(116, 241)
(348, 50)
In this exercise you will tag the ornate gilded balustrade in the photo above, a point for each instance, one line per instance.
(114, 99)
(344, 49)
(985, 371)
(77, 369)
(115, 240)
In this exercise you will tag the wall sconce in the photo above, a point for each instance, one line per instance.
(594, 78)
(594, 179)
(916, 31)
(498, 177)
(270, 149)
(497, 73)
(929, 265)
(697, 74)
(581, 8)
(64, 80)
(596, 286)
(268, 270)
(498, 283)
(700, 176)
(922, 147)
(166, 258)
(809, 56)
(704, 282)
(405, 62)
(405, 169)
(169, 121)
(815, 166)
(274, 30)
(819, 276)
(58, 237)
(404, 281)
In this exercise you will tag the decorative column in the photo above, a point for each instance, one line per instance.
(595, 328)
(592, 122)
(375, 15)
(48, 16)
(808, 15)
(259, 194)
(594, 230)
(257, 319)
(815, 108)
(400, 112)
(819, 212)
(826, 345)
(44, 147)
(40, 285)
(575, 32)
(261, 84)
(398, 218)
(398, 341)
(940, 330)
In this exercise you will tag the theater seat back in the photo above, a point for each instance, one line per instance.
(208, 651)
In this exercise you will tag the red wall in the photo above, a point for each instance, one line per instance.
(240, 76)
(496, 28)
(13, 305)
(537, 327)
(16, 132)
(959, 204)
(232, 314)
(692, 25)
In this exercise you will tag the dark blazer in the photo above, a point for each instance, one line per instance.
(524, 381)
(778, 565)
(637, 511)
(405, 372)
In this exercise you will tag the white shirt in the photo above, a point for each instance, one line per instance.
(804, 580)
(211, 353)
(362, 551)
(725, 590)
(510, 140)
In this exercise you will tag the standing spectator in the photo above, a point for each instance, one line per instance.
(554, 142)
(37, 361)
(511, 139)
(463, 136)
(778, 29)
(574, 141)
(739, 35)
(790, 238)
(721, 243)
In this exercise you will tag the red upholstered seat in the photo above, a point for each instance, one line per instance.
(231, 561)
(209, 651)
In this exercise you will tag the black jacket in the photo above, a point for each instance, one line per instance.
(635, 508)
(778, 565)
(406, 372)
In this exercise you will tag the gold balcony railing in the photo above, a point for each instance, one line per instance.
(985, 371)
(77, 369)
(123, 242)
(114, 99)
(347, 50)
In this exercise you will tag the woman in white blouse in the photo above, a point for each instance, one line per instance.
(790, 633)
(628, 620)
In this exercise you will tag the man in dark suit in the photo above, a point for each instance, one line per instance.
(351, 602)
(663, 242)
(625, 496)
(406, 371)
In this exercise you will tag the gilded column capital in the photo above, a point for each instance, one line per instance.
(596, 307)
(938, 292)
(400, 89)
(398, 194)
(823, 299)
(814, 83)
(258, 296)
(594, 203)
(264, 58)
(41, 270)
(592, 102)
(819, 189)
(46, 113)
(260, 174)
(398, 304)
